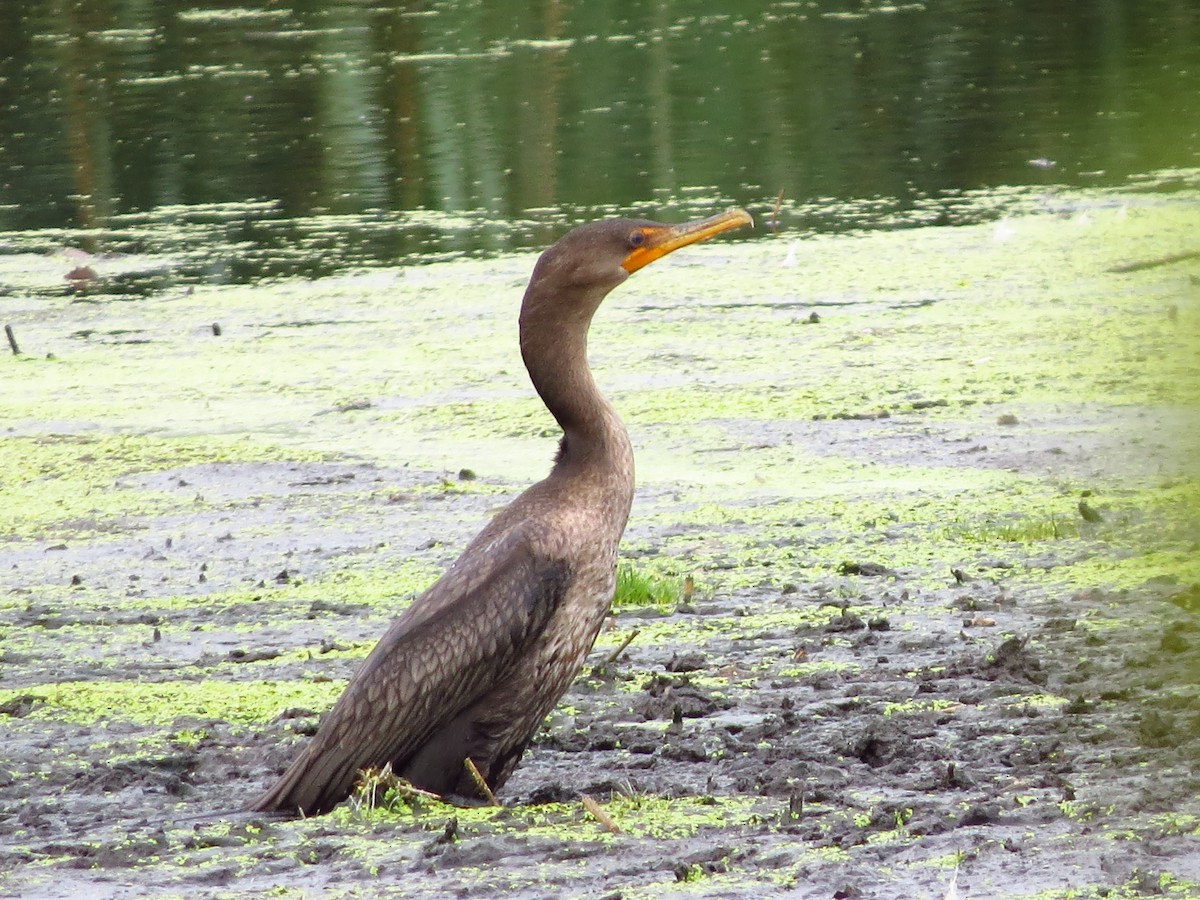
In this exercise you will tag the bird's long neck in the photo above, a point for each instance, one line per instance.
(556, 357)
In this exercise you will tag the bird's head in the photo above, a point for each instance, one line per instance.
(593, 259)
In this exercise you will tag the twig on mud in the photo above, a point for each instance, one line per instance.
(599, 814)
(374, 785)
(612, 657)
(952, 889)
(12, 340)
(477, 777)
(1139, 265)
(795, 808)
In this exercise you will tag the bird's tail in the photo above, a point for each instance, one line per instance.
(310, 786)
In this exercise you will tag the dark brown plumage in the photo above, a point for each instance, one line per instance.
(477, 662)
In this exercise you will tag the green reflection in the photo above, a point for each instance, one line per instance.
(523, 115)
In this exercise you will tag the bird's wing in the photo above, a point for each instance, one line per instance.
(424, 670)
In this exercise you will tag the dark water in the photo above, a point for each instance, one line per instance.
(304, 137)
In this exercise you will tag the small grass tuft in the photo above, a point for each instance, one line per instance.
(1016, 531)
(638, 589)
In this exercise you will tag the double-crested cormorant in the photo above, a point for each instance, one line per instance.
(472, 668)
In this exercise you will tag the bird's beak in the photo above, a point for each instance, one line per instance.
(662, 239)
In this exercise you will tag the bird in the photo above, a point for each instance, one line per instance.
(474, 665)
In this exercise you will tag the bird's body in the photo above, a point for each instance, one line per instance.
(471, 669)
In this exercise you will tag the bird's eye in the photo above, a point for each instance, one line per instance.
(637, 238)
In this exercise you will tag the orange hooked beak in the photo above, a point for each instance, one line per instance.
(659, 240)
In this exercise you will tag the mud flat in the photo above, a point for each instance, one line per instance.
(944, 543)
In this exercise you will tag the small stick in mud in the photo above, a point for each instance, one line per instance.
(612, 657)
(795, 808)
(774, 223)
(449, 834)
(12, 340)
(1141, 264)
(477, 777)
(373, 784)
(599, 814)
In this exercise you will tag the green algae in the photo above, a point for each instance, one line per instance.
(911, 370)
(1023, 530)
(165, 703)
(1041, 701)
(909, 707)
(945, 330)
(638, 816)
(355, 582)
(1163, 884)
(953, 519)
(359, 582)
(66, 485)
(696, 628)
(1176, 823)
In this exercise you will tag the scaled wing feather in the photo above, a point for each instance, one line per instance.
(427, 668)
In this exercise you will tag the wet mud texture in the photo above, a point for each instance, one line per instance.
(900, 736)
(943, 641)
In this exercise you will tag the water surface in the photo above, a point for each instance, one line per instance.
(233, 141)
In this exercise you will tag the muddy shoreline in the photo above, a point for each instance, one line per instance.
(909, 660)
